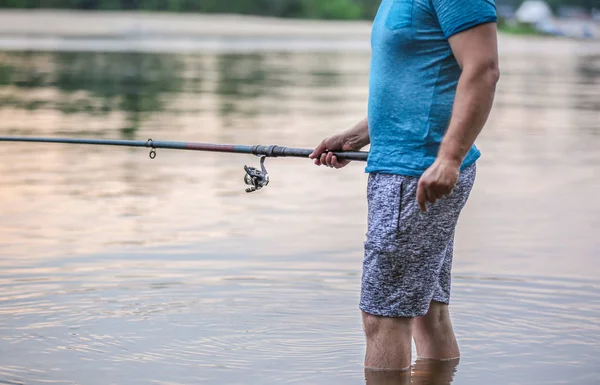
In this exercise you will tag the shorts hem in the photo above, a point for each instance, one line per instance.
(445, 301)
(393, 314)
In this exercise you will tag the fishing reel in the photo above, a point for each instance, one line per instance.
(255, 178)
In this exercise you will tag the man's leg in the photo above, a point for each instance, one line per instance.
(433, 332)
(405, 267)
(434, 335)
(387, 310)
(389, 342)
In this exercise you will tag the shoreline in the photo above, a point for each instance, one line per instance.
(65, 30)
(66, 23)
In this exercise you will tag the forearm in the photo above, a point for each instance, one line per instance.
(473, 103)
(359, 134)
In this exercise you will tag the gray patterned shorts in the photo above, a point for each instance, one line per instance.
(408, 253)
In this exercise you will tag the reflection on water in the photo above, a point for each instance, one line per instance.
(120, 269)
(423, 372)
(90, 84)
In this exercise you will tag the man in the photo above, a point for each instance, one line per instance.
(434, 68)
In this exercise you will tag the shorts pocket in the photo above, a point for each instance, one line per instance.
(400, 207)
(384, 198)
(400, 15)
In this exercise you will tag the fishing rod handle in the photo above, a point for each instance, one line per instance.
(276, 151)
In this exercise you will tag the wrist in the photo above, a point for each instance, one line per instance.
(358, 141)
(362, 139)
(450, 158)
(451, 152)
(358, 137)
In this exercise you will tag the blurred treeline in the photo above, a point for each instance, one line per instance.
(555, 4)
(315, 9)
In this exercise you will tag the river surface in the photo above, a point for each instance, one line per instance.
(119, 269)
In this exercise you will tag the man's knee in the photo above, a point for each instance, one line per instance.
(388, 342)
(438, 315)
(434, 335)
(377, 325)
(371, 325)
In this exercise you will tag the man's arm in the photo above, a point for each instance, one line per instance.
(359, 134)
(476, 51)
(477, 54)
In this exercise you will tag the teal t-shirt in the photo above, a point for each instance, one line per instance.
(413, 79)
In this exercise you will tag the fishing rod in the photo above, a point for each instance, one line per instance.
(254, 177)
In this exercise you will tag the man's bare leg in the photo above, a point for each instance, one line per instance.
(388, 342)
(434, 335)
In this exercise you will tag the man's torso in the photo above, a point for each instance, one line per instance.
(413, 80)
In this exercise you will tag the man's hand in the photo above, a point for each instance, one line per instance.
(323, 154)
(437, 182)
(351, 140)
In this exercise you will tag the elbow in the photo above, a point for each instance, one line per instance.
(487, 73)
(493, 73)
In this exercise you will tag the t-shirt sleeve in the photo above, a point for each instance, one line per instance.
(456, 16)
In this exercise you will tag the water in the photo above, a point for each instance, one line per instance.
(118, 269)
